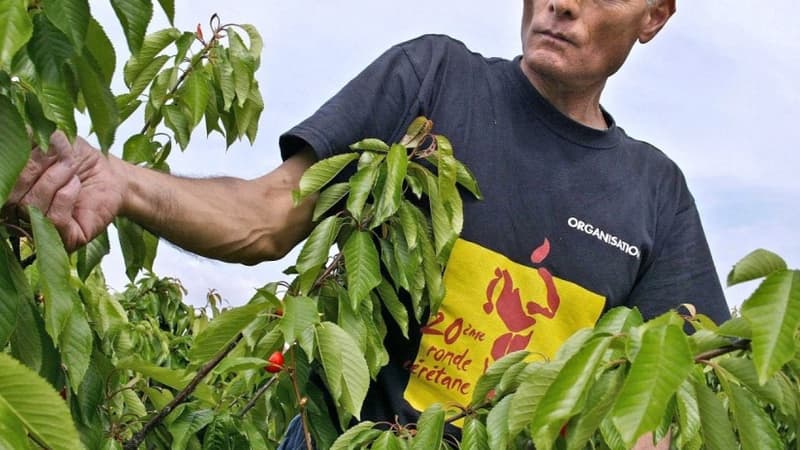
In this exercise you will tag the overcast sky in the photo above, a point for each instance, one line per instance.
(716, 90)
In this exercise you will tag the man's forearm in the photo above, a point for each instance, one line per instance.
(229, 219)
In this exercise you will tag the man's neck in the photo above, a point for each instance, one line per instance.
(579, 104)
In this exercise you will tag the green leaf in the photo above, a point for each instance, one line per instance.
(244, 66)
(187, 425)
(688, 415)
(35, 404)
(497, 423)
(416, 131)
(12, 431)
(744, 371)
(221, 331)
(774, 315)
(49, 49)
(329, 198)
(180, 124)
(408, 222)
(316, 250)
(430, 429)
(75, 345)
(232, 364)
(174, 378)
(348, 438)
(91, 254)
(525, 401)
(169, 9)
(443, 232)
(31, 344)
(57, 106)
(100, 102)
(102, 50)
(662, 363)
(475, 436)
(41, 127)
(431, 269)
(299, 314)
(599, 402)
(152, 45)
(488, 381)
(146, 76)
(53, 265)
(392, 304)
(618, 320)
(361, 185)
(758, 264)
(14, 292)
(194, 95)
(15, 29)
(388, 441)
(392, 194)
(223, 72)
(131, 241)
(321, 173)
(139, 149)
(567, 394)
(370, 144)
(346, 371)
(134, 16)
(715, 426)
(737, 327)
(362, 265)
(71, 17)
(256, 43)
(15, 148)
(756, 430)
(105, 312)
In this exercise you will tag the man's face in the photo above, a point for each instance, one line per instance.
(580, 43)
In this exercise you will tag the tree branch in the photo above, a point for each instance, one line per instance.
(182, 396)
(739, 344)
(257, 395)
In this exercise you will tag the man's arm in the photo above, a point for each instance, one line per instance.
(230, 219)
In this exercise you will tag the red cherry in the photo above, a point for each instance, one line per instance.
(275, 363)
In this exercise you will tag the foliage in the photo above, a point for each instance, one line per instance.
(142, 368)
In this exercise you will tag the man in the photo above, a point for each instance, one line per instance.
(577, 216)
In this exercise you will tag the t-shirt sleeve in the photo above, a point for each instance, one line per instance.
(682, 270)
(378, 103)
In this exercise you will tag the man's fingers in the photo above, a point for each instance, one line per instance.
(60, 151)
(61, 214)
(38, 163)
(49, 183)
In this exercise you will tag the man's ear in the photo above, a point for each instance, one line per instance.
(657, 16)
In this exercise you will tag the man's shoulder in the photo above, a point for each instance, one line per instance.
(431, 47)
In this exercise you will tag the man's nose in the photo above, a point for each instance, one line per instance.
(568, 8)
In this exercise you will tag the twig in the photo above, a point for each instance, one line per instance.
(257, 395)
(182, 396)
(206, 48)
(327, 271)
(739, 344)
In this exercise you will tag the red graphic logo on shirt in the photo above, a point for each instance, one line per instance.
(518, 314)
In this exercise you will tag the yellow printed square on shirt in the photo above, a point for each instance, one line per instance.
(492, 307)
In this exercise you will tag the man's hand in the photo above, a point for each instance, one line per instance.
(74, 185)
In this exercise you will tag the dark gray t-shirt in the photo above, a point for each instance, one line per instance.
(574, 220)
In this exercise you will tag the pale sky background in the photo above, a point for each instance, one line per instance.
(714, 91)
